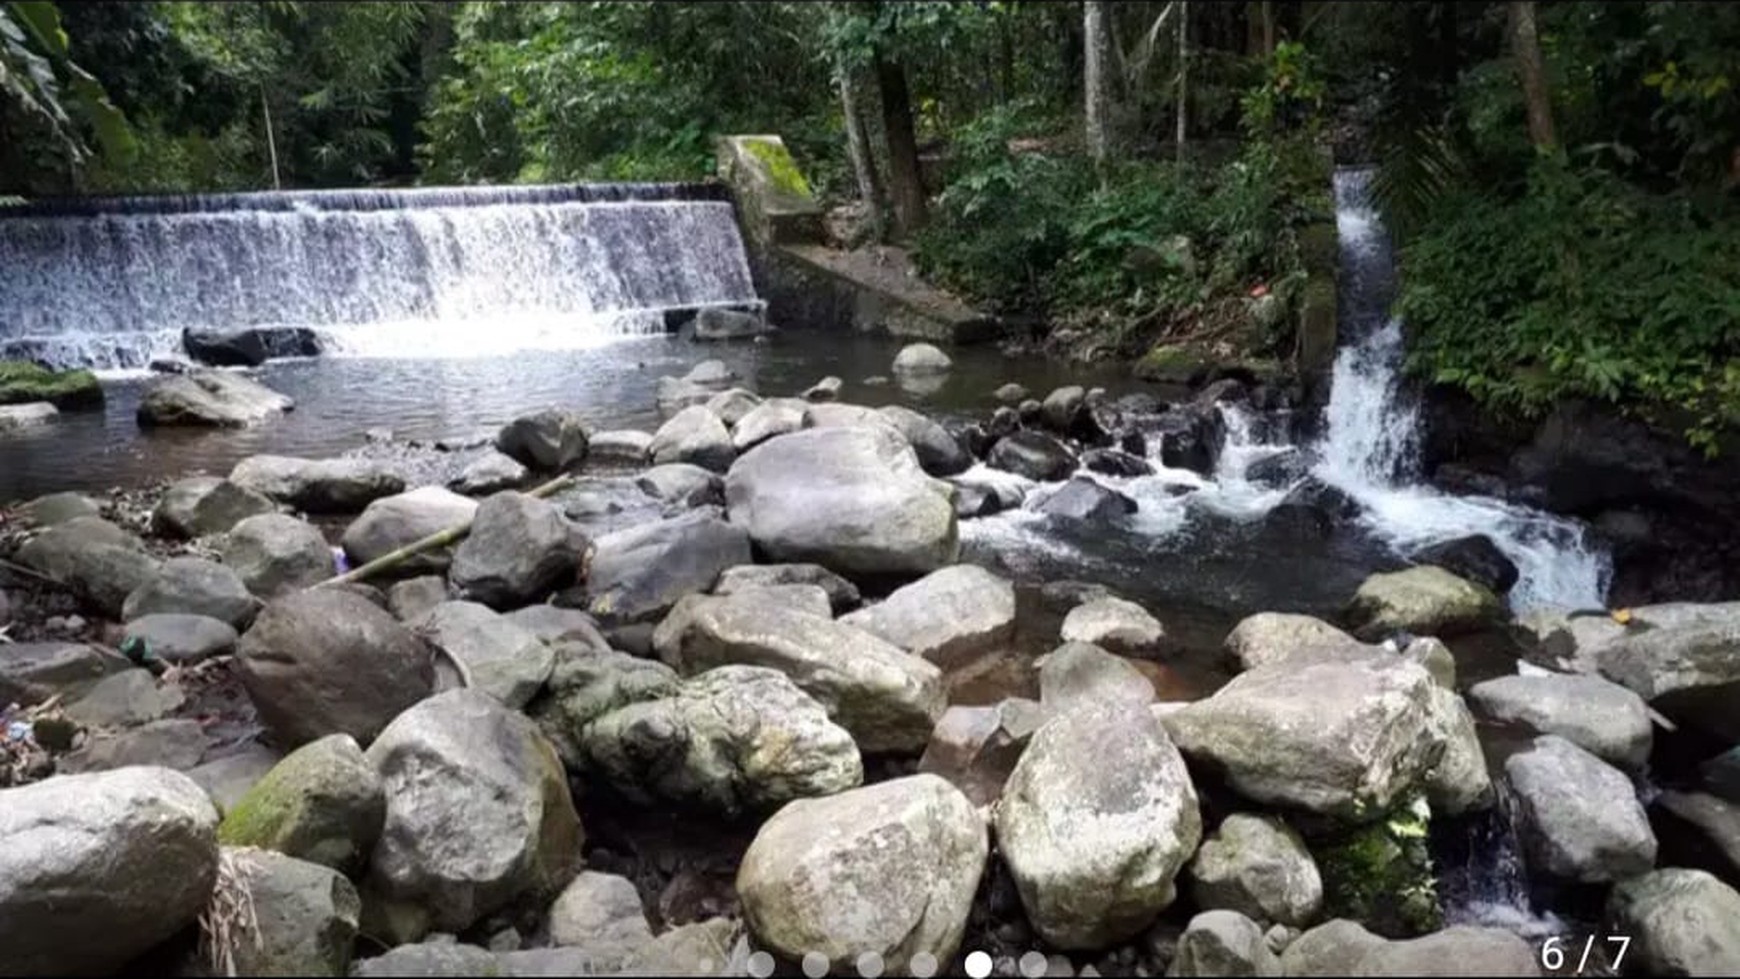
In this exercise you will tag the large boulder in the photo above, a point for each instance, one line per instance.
(775, 416)
(889, 869)
(939, 453)
(519, 550)
(318, 485)
(274, 553)
(1423, 601)
(1223, 943)
(976, 748)
(1462, 950)
(193, 586)
(1079, 674)
(212, 399)
(322, 803)
(639, 573)
(94, 557)
(548, 439)
(392, 522)
(1474, 558)
(588, 683)
(696, 436)
(921, 358)
(1681, 922)
(1270, 637)
(505, 661)
(181, 639)
(1034, 455)
(1580, 816)
(304, 915)
(1600, 717)
(842, 594)
(887, 698)
(329, 661)
(1093, 848)
(949, 617)
(733, 740)
(478, 811)
(851, 499)
(1689, 672)
(97, 869)
(202, 505)
(1258, 866)
(1115, 624)
(1348, 739)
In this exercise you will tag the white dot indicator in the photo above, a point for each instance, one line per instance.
(1032, 965)
(815, 965)
(760, 965)
(870, 965)
(978, 964)
(922, 966)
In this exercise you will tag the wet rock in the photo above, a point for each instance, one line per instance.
(548, 440)
(97, 559)
(716, 323)
(639, 573)
(274, 553)
(46, 511)
(410, 600)
(1028, 411)
(249, 347)
(392, 522)
(1093, 849)
(1421, 601)
(1600, 717)
(949, 617)
(182, 639)
(123, 700)
(1462, 950)
(555, 625)
(1690, 673)
(1698, 830)
(193, 586)
(491, 473)
(921, 358)
(889, 869)
(1270, 637)
(1682, 922)
(1223, 943)
(696, 436)
(209, 399)
(588, 683)
(628, 447)
(1035, 455)
(19, 418)
(1474, 558)
(1333, 948)
(1301, 734)
(328, 661)
(1459, 783)
(1284, 468)
(505, 661)
(478, 811)
(322, 803)
(887, 698)
(1005, 421)
(1258, 866)
(1063, 408)
(775, 416)
(228, 779)
(826, 389)
(602, 913)
(305, 915)
(1010, 394)
(976, 748)
(1084, 499)
(704, 380)
(996, 490)
(318, 485)
(732, 740)
(1079, 674)
(882, 514)
(1580, 817)
(730, 406)
(842, 594)
(939, 453)
(683, 484)
(1116, 462)
(1190, 437)
(176, 744)
(1114, 624)
(520, 549)
(97, 869)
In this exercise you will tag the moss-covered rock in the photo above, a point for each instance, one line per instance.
(782, 170)
(1380, 874)
(22, 382)
(322, 803)
(1174, 363)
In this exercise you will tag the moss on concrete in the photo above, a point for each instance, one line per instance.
(22, 382)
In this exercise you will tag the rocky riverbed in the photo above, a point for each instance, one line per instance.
(735, 700)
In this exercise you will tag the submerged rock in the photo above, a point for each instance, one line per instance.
(697, 387)
(212, 399)
(549, 439)
(317, 485)
(948, 617)
(921, 358)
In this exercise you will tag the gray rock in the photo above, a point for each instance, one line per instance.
(1114, 624)
(393, 522)
(949, 617)
(1078, 674)
(715, 323)
(553, 625)
(921, 358)
(1690, 672)
(1459, 783)
(193, 586)
(588, 683)
(1705, 828)
(889, 869)
(696, 436)
(490, 473)
(1435, 658)
(210, 399)
(505, 661)
(97, 559)
(826, 389)
(22, 417)
(97, 869)
(810, 599)
(851, 499)
(182, 639)
(520, 549)
(548, 439)
(229, 778)
(1580, 817)
(601, 912)
(322, 803)
(1600, 717)
(123, 700)
(621, 446)
(432, 959)
(697, 387)
(1116, 462)
(976, 748)
(328, 661)
(888, 699)
(176, 744)
(1035, 455)
(1223, 943)
(1333, 948)
(1258, 866)
(412, 599)
(46, 511)
(715, 947)
(639, 573)
(1084, 499)
(478, 811)
(1269, 637)
(939, 453)
(1458, 951)
(1010, 394)
(274, 553)
(775, 416)
(732, 405)
(1063, 407)
(1682, 922)
(318, 485)
(842, 594)
(732, 740)
(305, 916)
(1422, 601)
(683, 484)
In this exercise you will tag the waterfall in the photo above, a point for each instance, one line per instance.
(112, 282)
(1370, 446)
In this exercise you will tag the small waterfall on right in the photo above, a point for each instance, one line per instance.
(1370, 444)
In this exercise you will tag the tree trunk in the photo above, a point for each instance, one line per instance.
(905, 180)
(1183, 75)
(1097, 80)
(1526, 48)
(1006, 58)
(858, 146)
(1268, 16)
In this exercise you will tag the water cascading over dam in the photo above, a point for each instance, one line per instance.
(111, 283)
